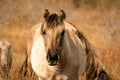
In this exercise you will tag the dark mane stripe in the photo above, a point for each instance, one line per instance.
(88, 46)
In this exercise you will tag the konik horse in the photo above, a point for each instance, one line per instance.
(57, 52)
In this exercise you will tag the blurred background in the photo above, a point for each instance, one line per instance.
(99, 20)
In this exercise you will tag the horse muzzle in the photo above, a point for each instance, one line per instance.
(52, 60)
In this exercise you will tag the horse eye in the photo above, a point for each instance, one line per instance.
(63, 32)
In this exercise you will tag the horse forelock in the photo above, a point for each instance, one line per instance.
(53, 20)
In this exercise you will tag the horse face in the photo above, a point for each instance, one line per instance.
(53, 33)
(53, 39)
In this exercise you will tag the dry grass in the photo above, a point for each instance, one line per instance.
(16, 34)
(100, 26)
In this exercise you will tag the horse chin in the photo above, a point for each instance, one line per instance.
(53, 63)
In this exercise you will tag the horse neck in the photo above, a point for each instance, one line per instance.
(64, 52)
(68, 43)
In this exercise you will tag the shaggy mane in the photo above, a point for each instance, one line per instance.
(94, 68)
(88, 46)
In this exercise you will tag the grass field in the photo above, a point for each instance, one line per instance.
(101, 26)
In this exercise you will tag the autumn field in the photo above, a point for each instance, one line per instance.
(98, 20)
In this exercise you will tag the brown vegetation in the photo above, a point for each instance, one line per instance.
(98, 20)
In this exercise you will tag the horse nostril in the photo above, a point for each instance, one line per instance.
(48, 57)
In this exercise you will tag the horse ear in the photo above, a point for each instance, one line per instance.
(46, 14)
(62, 14)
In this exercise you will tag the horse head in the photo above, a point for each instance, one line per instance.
(53, 30)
